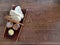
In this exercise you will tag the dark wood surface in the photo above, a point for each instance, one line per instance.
(42, 24)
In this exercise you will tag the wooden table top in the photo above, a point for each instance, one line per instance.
(42, 24)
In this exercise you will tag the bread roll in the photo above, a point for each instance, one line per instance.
(14, 13)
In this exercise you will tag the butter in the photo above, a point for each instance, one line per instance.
(11, 32)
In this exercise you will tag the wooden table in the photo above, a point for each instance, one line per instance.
(42, 24)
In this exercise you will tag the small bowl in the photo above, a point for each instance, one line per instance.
(16, 26)
(9, 24)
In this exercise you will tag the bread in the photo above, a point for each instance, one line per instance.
(16, 13)
(17, 18)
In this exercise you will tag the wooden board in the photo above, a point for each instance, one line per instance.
(16, 32)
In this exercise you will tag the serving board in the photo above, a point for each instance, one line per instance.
(16, 32)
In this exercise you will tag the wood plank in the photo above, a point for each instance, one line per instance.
(42, 23)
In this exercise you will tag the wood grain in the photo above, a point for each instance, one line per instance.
(42, 24)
